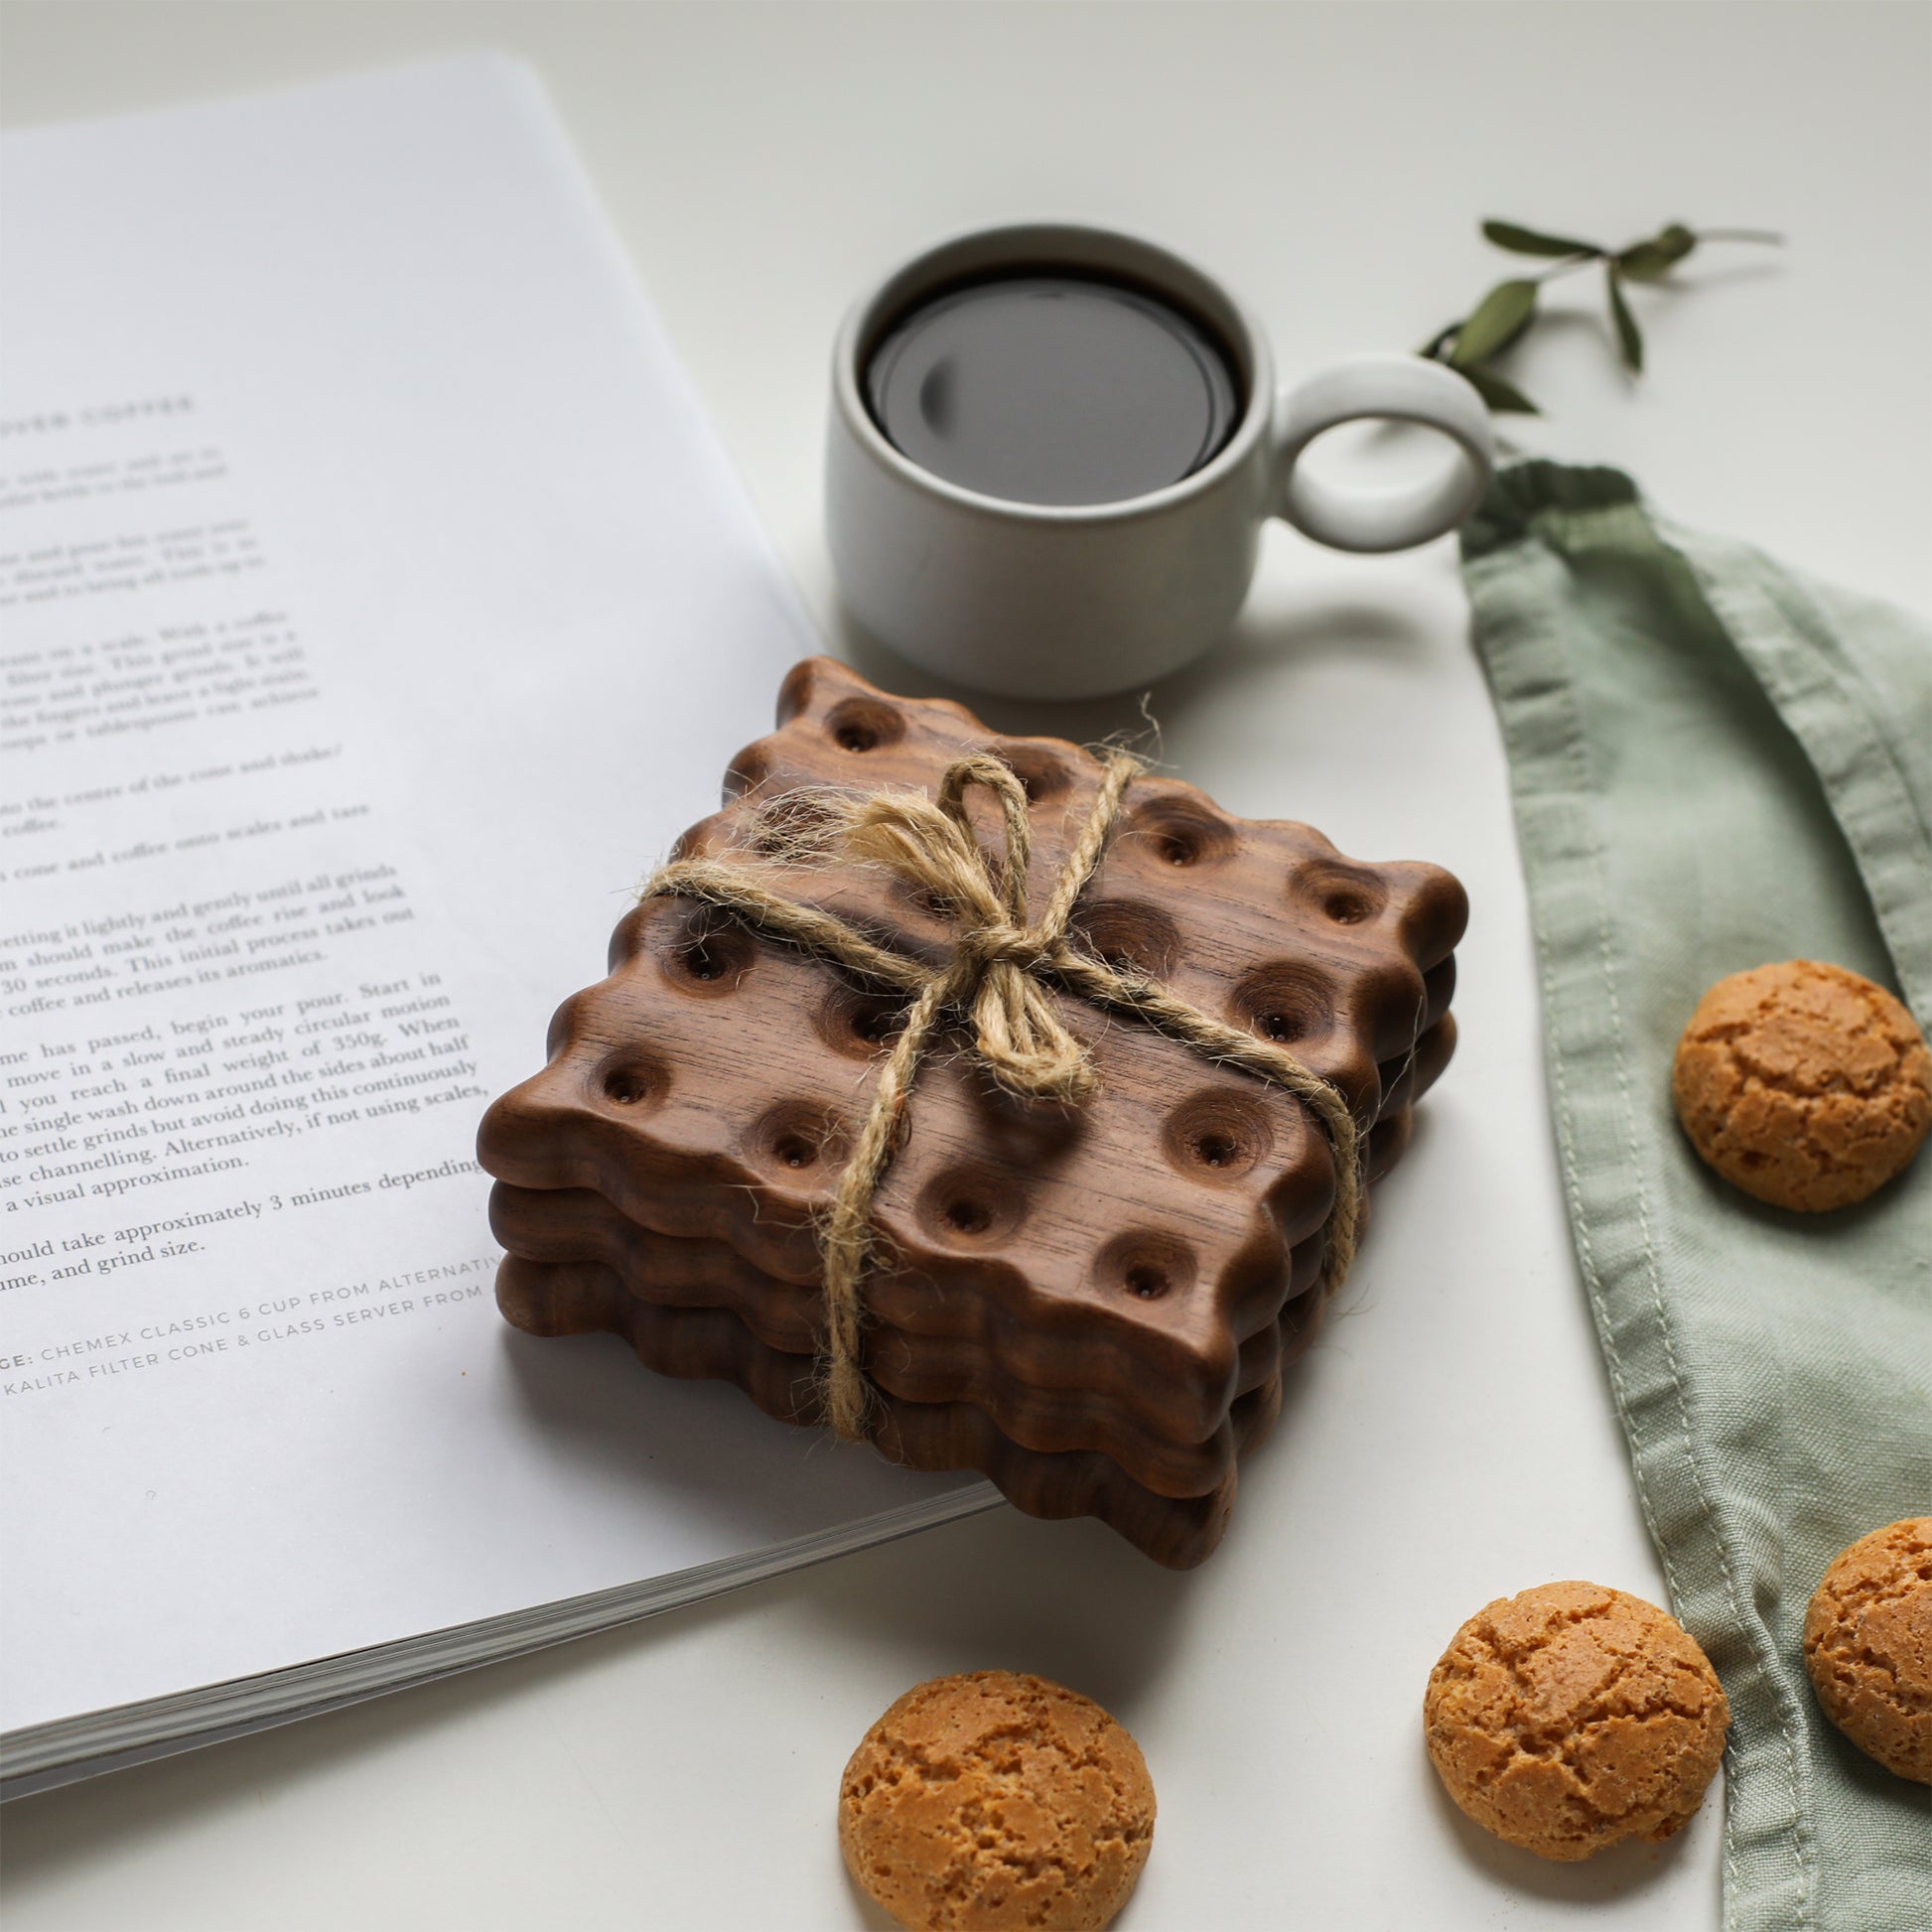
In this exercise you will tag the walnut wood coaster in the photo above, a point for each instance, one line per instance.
(1091, 1302)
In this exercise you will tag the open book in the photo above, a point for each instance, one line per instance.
(377, 607)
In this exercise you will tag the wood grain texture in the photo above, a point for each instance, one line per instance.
(1111, 1280)
(575, 1227)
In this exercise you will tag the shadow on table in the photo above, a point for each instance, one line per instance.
(629, 1436)
(1069, 1600)
(1614, 1874)
(1258, 644)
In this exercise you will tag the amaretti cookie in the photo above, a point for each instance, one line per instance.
(1804, 1084)
(1868, 1645)
(996, 1801)
(1571, 1715)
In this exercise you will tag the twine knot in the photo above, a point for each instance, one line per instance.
(999, 950)
(1004, 967)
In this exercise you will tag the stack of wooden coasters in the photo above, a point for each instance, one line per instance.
(1091, 1301)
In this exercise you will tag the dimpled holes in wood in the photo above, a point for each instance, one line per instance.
(1146, 1265)
(708, 956)
(973, 1205)
(1130, 935)
(856, 1025)
(1341, 894)
(630, 1079)
(1176, 832)
(862, 725)
(1042, 770)
(1288, 1004)
(798, 1141)
(787, 819)
(1216, 1136)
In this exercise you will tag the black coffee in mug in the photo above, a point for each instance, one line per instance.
(1055, 388)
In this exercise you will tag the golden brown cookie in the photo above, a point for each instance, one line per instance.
(1803, 1084)
(1868, 1645)
(1573, 1716)
(994, 1800)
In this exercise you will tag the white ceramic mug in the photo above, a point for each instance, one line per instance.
(1049, 601)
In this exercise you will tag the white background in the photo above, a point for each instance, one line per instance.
(1451, 1438)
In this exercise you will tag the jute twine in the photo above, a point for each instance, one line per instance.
(1002, 966)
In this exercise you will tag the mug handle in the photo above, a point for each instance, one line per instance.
(1395, 388)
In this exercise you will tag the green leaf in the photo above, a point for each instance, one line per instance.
(1503, 397)
(1629, 338)
(1432, 349)
(1527, 241)
(1496, 320)
(1647, 261)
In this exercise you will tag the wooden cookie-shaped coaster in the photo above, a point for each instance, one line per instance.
(1109, 1278)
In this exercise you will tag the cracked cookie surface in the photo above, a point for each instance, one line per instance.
(1803, 1084)
(994, 1801)
(1868, 1645)
(1573, 1716)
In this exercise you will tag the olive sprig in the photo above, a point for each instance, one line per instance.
(1502, 317)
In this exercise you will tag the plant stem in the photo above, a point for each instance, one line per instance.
(1567, 264)
(1769, 235)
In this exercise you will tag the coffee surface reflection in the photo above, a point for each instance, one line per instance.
(1052, 388)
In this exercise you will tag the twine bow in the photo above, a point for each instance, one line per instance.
(1002, 968)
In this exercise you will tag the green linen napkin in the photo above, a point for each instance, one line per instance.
(1718, 764)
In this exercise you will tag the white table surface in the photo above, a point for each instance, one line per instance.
(1451, 1438)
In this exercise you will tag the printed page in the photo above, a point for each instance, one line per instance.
(377, 608)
